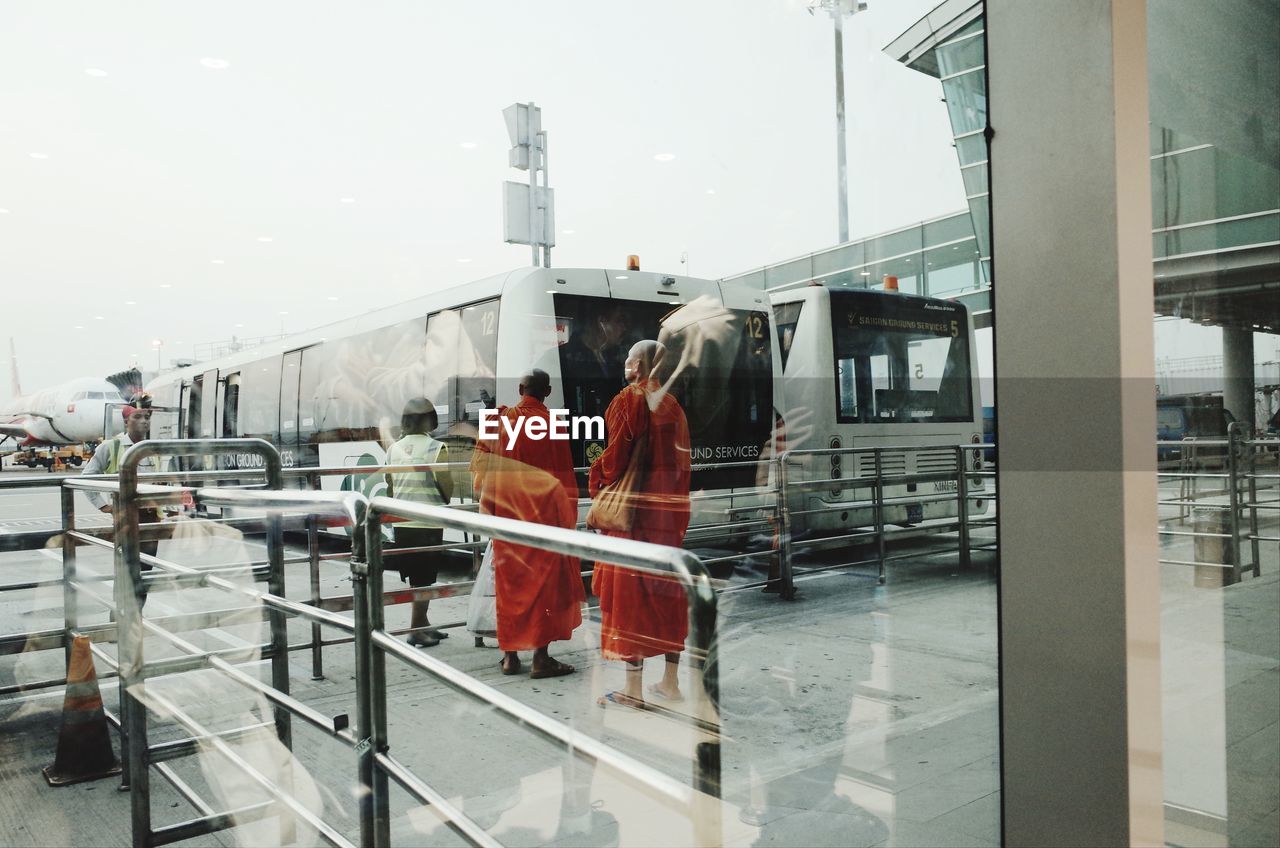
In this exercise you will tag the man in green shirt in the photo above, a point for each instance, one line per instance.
(433, 486)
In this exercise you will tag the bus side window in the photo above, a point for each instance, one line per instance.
(257, 402)
(785, 318)
(193, 408)
(441, 356)
(230, 405)
(477, 360)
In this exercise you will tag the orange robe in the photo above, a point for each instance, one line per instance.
(539, 593)
(643, 615)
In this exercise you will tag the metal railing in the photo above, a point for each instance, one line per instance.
(758, 511)
(1225, 488)
(372, 642)
(868, 497)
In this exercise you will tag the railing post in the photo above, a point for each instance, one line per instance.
(706, 755)
(133, 719)
(785, 573)
(962, 492)
(878, 510)
(1233, 497)
(376, 680)
(1256, 562)
(313, 565)
(364, 718)
(70, 602)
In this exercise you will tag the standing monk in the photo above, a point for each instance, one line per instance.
(643, 615)
(539, 593)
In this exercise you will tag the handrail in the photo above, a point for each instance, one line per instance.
(128, 564)
(372, 643)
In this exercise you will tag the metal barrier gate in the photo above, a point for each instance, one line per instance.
(1223, 505)
(762, 509)
(870, 500)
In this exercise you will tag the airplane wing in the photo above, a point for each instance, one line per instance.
(16, 428)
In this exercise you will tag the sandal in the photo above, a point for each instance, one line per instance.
(422, 640)
(555, 669)
(515, 668)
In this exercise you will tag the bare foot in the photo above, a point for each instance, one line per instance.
(664, 693)
(620, 700)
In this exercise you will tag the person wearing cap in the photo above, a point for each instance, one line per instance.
(106, 460)
(430, 486)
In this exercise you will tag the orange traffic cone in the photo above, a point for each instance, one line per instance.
(84, 742)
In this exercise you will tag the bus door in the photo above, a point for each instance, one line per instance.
(191, 396)
(228, 405)
(208, 406)
(290, 381)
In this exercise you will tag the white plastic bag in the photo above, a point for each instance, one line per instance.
(482, 612)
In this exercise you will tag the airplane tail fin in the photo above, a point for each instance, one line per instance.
(128, 382)
(15, 388)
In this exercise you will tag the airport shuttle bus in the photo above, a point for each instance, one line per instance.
(867, 369)
(334, 396)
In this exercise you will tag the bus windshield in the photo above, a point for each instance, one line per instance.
(900, 359)
(718, 366)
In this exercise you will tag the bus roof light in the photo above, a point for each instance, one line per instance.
(890, 283)
(633, 262)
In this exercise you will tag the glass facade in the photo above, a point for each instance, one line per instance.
(938, 258)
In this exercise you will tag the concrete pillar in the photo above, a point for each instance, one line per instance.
(1238, 375)
(1075, 373)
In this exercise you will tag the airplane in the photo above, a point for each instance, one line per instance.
(69, 413)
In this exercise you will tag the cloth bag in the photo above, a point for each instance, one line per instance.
(614, 507)
(482, 611)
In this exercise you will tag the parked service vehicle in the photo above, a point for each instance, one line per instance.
(877, 369)
(1182, 418)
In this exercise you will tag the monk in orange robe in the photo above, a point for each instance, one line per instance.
(644, 614)
(539, 594)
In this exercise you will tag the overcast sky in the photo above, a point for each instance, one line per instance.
(189, 171)
(171, 140)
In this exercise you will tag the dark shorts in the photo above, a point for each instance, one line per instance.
(420, 569)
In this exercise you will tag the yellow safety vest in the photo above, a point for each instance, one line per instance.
(416, 486)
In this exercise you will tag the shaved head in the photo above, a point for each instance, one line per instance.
(643, 359)
(536, 382)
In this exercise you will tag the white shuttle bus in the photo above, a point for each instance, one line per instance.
(876, 369)
(333, 396)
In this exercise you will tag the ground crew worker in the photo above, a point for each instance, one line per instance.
(433, 486)
(106, 460)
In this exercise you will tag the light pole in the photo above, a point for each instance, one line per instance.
(158, 344)
(838, 9)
